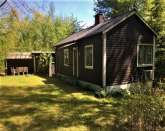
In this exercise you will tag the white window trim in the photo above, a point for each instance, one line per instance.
(66, 50)
(87, 46)
(138, 47)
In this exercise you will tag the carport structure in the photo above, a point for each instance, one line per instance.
(19, 62)
(27, 62)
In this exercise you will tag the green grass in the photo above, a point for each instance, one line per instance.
(45, 104)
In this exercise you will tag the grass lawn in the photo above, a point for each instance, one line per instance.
(38, 103)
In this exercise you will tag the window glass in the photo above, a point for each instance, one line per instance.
(145, 54)
(66, 57)
(89, 56)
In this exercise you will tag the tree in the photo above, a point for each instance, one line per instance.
(40, 32)
(2, 3)
(116, 7)
(158, 23)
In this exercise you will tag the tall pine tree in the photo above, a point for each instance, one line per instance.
(158, 23)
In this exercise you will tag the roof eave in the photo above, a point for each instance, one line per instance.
(131, 14)
(108, 29)
(74, 42)
(65, 44)
(141, 18)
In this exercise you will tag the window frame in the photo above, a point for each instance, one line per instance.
(66, 50)
(85, 62)
(138, 53)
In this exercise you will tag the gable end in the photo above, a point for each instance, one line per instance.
(130, 15)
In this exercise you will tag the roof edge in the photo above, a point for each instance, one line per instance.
(142, 19)
(71, 42)
(131, 14)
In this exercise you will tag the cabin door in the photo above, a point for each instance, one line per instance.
(75, 62)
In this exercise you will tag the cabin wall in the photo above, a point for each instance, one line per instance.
(122, 51)
(60, 67)
(90, 75)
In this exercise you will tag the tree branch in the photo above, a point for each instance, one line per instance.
(3, 3)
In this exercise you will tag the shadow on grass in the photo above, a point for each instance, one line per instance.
(57, 105)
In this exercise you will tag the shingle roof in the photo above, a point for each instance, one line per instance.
(19, 55)
(109, 24)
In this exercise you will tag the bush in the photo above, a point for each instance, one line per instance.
(118, 93)
(161, 85)
(141, 88)
(101, 94)
(43, 63)
(145, 111)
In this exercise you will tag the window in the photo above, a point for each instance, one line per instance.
(88, 56)
(66, 57)
(145, 54)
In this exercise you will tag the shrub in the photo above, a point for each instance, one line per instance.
(144, 111)
(141, 88)
(118, 93)
(101, 94)
(161, 85)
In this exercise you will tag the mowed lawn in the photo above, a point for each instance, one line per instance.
(38, 103)
(33, 103)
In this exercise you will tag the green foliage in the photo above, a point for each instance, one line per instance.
(43, 65)
(116, 7)
(120, 93)
(160, 63)
(158, 23)
(162, 85)
(101, 94)
(116, 93)
(144, 88)
(37, 100)
(145, 110)
(40, 32)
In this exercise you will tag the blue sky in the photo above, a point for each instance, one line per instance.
(81, 9)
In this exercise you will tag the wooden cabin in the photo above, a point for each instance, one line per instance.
(112, 53)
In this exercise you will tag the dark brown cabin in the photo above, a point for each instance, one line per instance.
(117, 51)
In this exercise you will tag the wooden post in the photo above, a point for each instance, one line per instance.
(34, 64)
(50, 66)
(5, 67)
(153, 74)
(104, 60)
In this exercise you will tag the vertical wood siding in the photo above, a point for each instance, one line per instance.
(60, 67)
(122, 50)
(90, 75)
